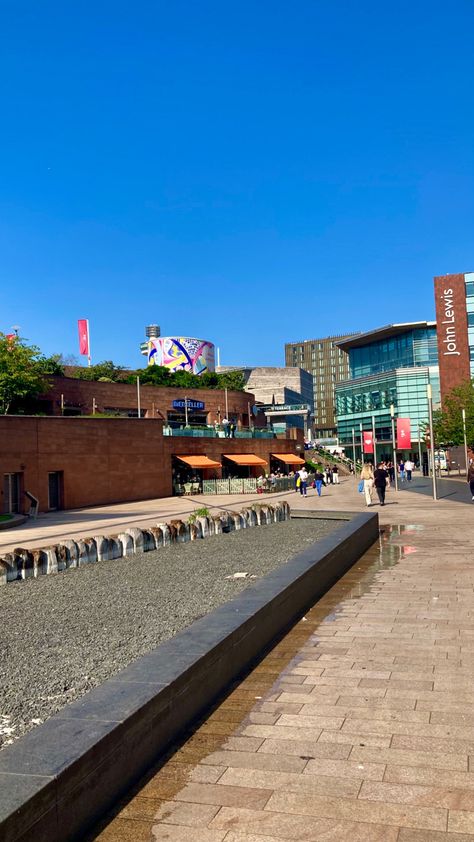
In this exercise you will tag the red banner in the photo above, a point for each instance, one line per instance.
(403, 433)
(368, 442)
(83, 328)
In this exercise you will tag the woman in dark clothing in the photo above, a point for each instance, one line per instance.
(380, 482)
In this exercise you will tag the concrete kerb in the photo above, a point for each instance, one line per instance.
(58, 779)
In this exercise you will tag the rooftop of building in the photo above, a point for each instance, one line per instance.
(323, 338)
(386, 332)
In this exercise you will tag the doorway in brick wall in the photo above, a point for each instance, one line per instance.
(55, 490)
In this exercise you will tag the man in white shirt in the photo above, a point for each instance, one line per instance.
(303, 480)
(409, 467)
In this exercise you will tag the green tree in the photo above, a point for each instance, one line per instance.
(105, 371)
(21, 374)
(447, 421)
(52, 365)
(233, 380)
(151, 375)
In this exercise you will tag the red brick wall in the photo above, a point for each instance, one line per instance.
(451, 327)
(159, 400)
(106, 460)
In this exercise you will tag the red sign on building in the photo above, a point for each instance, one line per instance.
(403, 433)
(451, 329)
(368, 442)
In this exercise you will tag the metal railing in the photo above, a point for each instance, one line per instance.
(212, 433)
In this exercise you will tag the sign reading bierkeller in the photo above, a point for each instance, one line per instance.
(403, 433)
(368, 442)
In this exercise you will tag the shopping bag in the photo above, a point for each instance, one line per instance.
(361, 485)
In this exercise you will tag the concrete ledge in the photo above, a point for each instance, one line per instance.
(15, 520)
(60, 778)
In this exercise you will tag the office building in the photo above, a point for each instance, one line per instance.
(328, 365)
(389, 366)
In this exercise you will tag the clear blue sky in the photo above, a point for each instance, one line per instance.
(246, 172)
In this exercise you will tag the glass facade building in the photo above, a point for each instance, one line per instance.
(389, 366)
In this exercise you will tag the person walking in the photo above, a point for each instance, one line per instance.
(380, 482)
(401, 468)
(409, 467)
(335, 475)
(303, 480)
(226, 426)
(318, 482)
(470, 477)
(367, 475)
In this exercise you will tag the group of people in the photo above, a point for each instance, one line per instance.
(326, 477)
(382, 476)
(229, 427)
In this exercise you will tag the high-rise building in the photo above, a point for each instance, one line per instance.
(389, 366)
(327, 365)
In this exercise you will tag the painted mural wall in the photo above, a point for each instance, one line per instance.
(182, 352)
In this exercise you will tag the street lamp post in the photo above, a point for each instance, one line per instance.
(465, 437)
(361, 446)
(419, 449)
(432, 443)
(354, 451)
(186, 411)
(394, 445)
(373, 440)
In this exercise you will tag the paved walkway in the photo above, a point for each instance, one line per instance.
(358, 725)
(99, 520)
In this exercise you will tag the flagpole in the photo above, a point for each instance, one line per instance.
(430, 414)
(354, 452)
(88, 345)
(419, 450)
(361, 446)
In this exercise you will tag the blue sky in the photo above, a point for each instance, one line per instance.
(249, 173)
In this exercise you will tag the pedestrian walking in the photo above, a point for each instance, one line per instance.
(303, 480)
(401, 468)
(367, 476)
(409, 467)
(380, 481)
(226, 425)
(318, 482)
(470, 477)
(335, 475)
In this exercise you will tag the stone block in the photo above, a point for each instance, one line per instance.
(115, 546)
(4, 568)
(165, 531)
(182, 531)
(126, 541)
(138, 539)
(102, 544)
(149, 542)
(91, 549)
(24, 562)
(12, 569)
(50, 560)
(204, 523)
(72, 553)
(82, 553)
(195, 531)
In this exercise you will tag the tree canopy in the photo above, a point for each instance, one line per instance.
(22, 370)
(447, 421)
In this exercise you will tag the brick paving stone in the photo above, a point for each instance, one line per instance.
(359, 725)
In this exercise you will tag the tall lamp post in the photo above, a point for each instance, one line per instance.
(432, 443)
(394, 445)
(419, 449)
(354, 451)
(373, 440)
(465, 437)
(361, 446)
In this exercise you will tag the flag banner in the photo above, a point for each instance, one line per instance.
(83, 328)
(368, 442)
(403, 433)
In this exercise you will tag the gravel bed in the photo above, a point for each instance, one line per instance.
(65, 633)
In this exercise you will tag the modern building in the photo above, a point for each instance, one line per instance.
(454, 300)
(391, 365)
(327, 364)
(283, 394)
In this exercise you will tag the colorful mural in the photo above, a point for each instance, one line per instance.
(181, 352)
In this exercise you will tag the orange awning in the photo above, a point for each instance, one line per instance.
(199, 462)
(289, 458)
(245, 458)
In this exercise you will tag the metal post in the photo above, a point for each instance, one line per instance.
(361, 446)
(88, 344)
(394, 445)
(226, 405)
(93, 406)
(62, 404)
(186, 411)
(138, 398)
(250, 416)
(432, 443)
(354, 452)
(465, 437)
(373, 440)
(420, 455)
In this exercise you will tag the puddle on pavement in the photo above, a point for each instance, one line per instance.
(234, 711)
